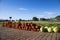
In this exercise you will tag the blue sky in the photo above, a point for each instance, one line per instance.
(26, 9)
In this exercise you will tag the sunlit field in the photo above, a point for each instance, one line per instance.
(1, 22)
(45, 23)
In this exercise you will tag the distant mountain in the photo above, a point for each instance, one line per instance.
(1, 20)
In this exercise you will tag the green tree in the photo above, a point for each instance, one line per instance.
(20, 20)
(57, 18)
(42, 19)
(35, 19)
(10, 18)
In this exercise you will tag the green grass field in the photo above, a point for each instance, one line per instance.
(1, 22)
(43, 23)
(47, 23)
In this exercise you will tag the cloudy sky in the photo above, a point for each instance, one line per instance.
(26, 9)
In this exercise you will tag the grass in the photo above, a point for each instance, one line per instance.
(47, 23)
(1, 22)
(43, 23)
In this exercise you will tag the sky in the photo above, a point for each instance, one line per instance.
(27, 9)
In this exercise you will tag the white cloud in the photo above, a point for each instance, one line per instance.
(49, 13)
(39, 16)
(23, 9)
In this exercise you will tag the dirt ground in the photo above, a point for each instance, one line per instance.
(16, 34)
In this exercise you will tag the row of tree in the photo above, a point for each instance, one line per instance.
(57, 18)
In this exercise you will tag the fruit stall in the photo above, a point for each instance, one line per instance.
(28, 31)
(29, 26)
